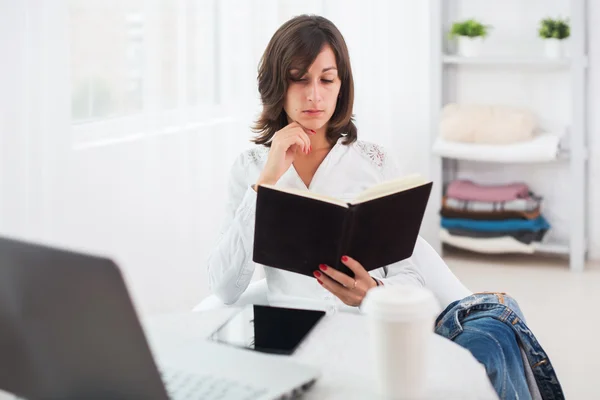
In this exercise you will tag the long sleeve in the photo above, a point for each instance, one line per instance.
(230, 265)
(405, 272)
(425, 267)
(433, 272)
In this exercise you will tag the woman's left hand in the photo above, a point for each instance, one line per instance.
(351, 291)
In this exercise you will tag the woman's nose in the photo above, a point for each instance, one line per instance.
(314, 92)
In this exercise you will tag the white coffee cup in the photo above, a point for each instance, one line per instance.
(401, 320)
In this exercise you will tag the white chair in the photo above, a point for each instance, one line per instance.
(255, 293)
(438, 278)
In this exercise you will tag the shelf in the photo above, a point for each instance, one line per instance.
(507, 61)
(569, 154)
(492, 246)
(552, 248)
(543, 148)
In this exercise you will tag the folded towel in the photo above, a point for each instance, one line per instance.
(505, 244)
(468, 190)
(497, 226)
(544, 147)
(490, 215)
(527, 205)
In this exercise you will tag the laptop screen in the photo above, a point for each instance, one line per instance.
(267, 329)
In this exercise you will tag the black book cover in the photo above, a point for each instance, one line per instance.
(297, 233)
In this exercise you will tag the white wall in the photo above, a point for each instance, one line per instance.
(594, 128)
(154, 202)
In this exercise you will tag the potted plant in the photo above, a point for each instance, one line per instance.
(470, 35)
(554, 32)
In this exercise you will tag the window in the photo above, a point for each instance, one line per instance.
(107, 44)
(134, 57)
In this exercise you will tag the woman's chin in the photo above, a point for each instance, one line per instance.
(310, 123)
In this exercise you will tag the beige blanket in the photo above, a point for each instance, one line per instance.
(487, 124)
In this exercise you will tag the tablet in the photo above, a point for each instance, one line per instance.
(267, 329)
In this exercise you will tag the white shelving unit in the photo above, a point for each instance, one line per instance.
(443, 167)
(507, 61)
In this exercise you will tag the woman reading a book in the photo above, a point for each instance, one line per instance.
(307, 140)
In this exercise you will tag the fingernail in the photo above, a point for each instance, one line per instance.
(323, 267)
(344, 258)
(319, 282)
(317, 274)
(309, 148)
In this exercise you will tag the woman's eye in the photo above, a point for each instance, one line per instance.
(306, 80)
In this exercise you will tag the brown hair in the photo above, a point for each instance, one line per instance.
(296, 44)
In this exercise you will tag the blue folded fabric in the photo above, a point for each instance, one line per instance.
(507, 225)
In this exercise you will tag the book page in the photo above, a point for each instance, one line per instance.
(310, 195)
(390, 187)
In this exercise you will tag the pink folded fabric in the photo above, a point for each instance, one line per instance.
(468, 190)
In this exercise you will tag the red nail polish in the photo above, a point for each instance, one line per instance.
(319, 282)
(317, 274)
(344, 258)
(323, 267)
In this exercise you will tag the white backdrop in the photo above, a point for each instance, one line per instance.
(148, 189)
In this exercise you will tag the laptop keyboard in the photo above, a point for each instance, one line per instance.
(183, 385)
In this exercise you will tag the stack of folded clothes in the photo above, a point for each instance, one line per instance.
(492, 219)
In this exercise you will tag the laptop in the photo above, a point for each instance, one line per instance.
(69, 330)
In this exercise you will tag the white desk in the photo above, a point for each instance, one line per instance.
(336, 347)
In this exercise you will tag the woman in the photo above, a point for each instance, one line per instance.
(307, 140)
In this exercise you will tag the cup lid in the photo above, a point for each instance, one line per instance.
(400, 302)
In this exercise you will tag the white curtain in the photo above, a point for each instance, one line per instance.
(34, 121)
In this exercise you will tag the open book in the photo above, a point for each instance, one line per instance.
(298, 230)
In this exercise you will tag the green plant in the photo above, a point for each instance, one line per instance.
(470, 28)
(554, 28)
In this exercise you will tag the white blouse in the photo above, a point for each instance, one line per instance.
(346, 171)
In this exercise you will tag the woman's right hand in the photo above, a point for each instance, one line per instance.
(284, 146)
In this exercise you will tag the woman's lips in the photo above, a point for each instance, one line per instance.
(312, 112)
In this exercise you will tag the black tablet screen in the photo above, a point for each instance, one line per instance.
(268, 329)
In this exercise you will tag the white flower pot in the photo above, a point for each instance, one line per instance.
(554, 48)
(469, 47)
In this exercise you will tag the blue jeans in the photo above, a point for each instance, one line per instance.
(494, 345)
(492, 327)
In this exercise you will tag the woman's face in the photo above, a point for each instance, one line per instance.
(310, 99)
